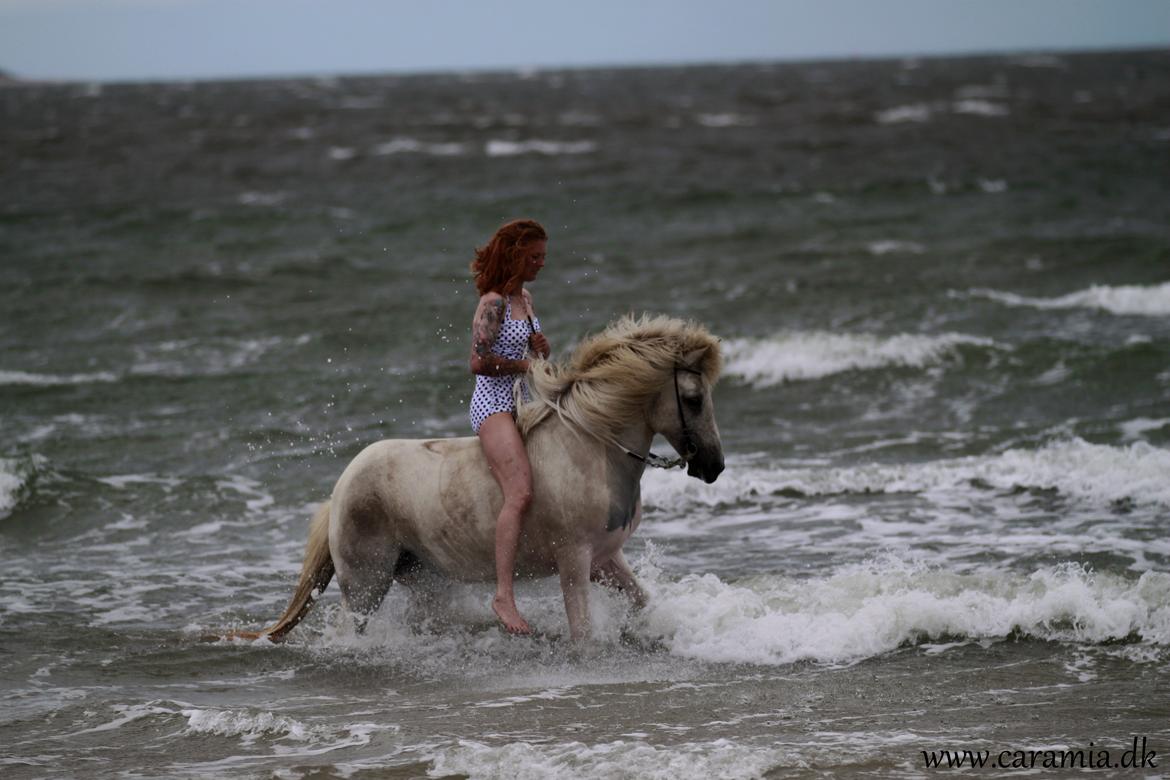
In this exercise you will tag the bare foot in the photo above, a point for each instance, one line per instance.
(510, 616)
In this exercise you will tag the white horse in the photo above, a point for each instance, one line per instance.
(403, 505)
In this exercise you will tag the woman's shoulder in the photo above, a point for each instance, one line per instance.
(491, 296)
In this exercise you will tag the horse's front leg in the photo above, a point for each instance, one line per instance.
(573, 565)
(617, 574)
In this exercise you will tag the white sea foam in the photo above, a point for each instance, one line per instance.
(719, 759)
(502, 148)
(1096, 473)
(255, 497)
(872, 608)
(121, 481)
(980, 108)
(188, 357)
(250, 726)
(923, 112)
(1137, 428)
(10, 486)
(816, 354)
(50, 380)
(414, 146)
(341, 153)
(16, 477)
(918, 112)
(128, 713)
(893, 246)
(725, 120)
(993, 186)
(1151, 301)
(253, 198)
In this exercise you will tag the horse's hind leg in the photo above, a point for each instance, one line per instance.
(365, 549)
(365, 585)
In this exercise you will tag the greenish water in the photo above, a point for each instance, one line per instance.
(944, 292)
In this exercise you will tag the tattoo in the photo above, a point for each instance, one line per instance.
(486, 326)
(484, 329)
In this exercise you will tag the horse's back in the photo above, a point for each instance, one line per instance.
(433, 497)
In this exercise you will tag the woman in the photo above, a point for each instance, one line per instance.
(503, 332)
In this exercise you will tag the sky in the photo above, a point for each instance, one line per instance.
(140, 40)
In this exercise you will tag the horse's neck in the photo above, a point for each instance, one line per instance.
(636, 438)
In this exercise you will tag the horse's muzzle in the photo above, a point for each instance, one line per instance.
(705, 467)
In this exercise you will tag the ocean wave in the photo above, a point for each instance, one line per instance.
(816, 354)
(725, 120)
(979, 108)
(868, 609)
(251, 726)
(177, 358)
(918, 112)
(1151, 301)
(207, 357)
(893, 246)
(719, 759)
(923, 112)
(256, 198)
(502, 148)
(17, 477)
(414, 146)
(53, 380)
(1074, 467)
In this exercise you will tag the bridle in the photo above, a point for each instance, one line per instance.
(688, 442)
(650, 458)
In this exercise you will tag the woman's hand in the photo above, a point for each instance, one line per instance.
(539, 345)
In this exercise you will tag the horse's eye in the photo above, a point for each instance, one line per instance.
(694, 402)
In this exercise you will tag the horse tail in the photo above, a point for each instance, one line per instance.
(316, 572)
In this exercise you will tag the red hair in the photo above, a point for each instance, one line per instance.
(499, 265)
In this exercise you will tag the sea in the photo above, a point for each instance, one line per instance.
(942, 287)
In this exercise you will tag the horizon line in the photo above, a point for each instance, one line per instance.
(11, 79)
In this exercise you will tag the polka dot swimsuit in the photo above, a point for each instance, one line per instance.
(493, 394)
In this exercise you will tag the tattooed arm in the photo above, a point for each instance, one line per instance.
(489, 316)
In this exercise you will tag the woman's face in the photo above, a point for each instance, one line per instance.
(534, 260)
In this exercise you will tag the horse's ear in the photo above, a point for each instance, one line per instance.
(694, 358)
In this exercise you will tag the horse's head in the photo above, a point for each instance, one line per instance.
(649, 372)
(684, 414)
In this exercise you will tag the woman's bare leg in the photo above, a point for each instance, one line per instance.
(509, 465)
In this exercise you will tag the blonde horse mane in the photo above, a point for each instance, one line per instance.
(611, 377)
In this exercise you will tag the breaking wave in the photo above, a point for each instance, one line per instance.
(1074, 467)
(1150, 301)
(17, 476)
(812, 355)
(52, 380)
(875, 607)
(502, 148)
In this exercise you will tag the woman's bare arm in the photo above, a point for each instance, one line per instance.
(537, 341)
(489, 316)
